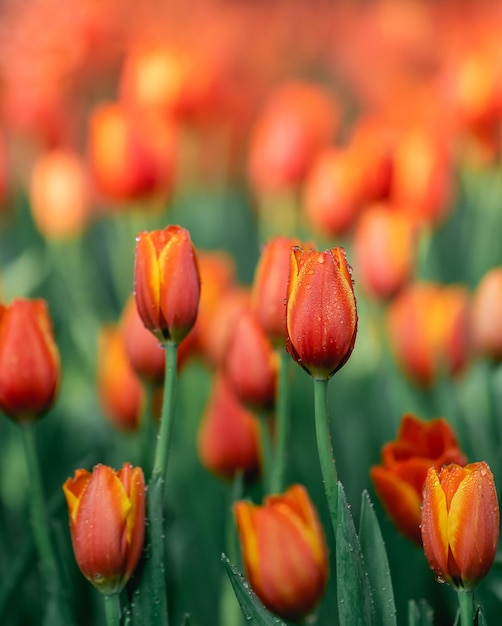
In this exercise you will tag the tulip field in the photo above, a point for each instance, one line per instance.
(250, 313)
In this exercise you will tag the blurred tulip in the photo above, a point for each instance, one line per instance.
(399, 480)
(119, 389)
(384, 250)
(30, 370)
(460, 523)
(143, 351)
(132, 157)
(270, 286)
(288, 575)
(427, 326)
(298, 120)
(251, 363)
(422, 178)
(166, 282)
(59, 195)
(334, 192)
(486, 315)
(371, 147)
(321, 312)
(228, 439)
(107, 523)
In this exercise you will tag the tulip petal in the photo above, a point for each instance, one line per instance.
(435, 525)
(147, 281)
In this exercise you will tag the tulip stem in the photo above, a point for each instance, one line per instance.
(279, 465)
(324, 448)
(41, 532)
(465, 602)
(167, 415)
(112, 609)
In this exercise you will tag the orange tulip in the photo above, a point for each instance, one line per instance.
(59, 195)
(427, 325)
(167, 282)
(384, 250)
(486, 315)
(144, 352)
(321, 313)
(120, 391)
(29, 360)
(460, 523)
(270, 286)
(284, 551)
(251, 363)
(399, 480)
(228, 439)
(107, 523)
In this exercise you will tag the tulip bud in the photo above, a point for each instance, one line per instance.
(29, 360)
(167, 282)
(460, 523)
(107, 523)
(289, 574)
(399, 480)
(321, 313)
(228, 439)
(270, 287)
(255, 384)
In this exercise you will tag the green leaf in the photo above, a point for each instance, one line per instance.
(355, 603)
(253, 610)
(420, 613)
(149, 585)
(377, 564)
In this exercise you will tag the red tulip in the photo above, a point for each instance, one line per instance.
(107, 523)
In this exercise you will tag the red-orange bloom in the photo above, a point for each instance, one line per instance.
(167, 282)
(29, 360)
(427, 324)
(399, 480)
(284, 551)
(321, 312)
(270, 286)
(460, 523)
(228, 439)
(486, 315)
(107, 523)
(251, 363)
(384, 250)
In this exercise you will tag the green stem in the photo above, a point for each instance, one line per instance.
(167, 414)
(324, 448)
(277, 474)
(112, 609)
(50, 571)
(266, 451)
(465, 602)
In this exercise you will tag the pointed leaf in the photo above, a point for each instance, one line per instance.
(420, 613)
(253, 610)
(149, 584)
(355, 604)
(377, 564)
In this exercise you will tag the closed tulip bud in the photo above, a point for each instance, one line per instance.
(460, 523)
(270, 287)
(251, 363)
(384, 250)
(107, 523)
(427, 324)
(29, 360)
(143, 351)
(321, 312)
(289, 574)
(486, 315)
(119, 389)
(399, 480)
(228, 439)
(167, 282)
